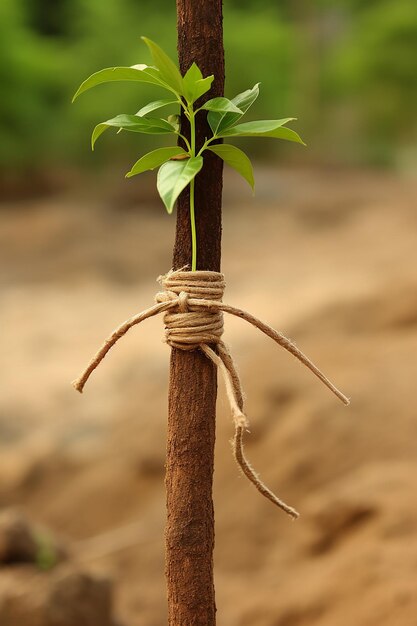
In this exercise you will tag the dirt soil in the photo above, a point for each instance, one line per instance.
(327, 257)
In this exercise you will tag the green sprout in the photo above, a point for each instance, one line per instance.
(179, 166)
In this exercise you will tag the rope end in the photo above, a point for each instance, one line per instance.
(342, 397)
(240, 419)
(78, 385)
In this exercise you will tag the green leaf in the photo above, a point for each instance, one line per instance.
(264, 128)
(221, 105)
(155, 74)
(169, 71)
(202, 86)
(174, 120)
(154, 159)
(148, 125)
(194, 84)
(139, 73)
(243, 100)
(192, 76)
(174, 176)
(237, 159)
(153, 106)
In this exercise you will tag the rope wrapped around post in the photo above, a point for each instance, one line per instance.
(193, 317)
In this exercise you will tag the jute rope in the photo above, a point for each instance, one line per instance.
(193, 308)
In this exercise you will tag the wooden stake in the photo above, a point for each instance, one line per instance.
(193, 387)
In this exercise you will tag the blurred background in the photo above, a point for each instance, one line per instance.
(330, 252)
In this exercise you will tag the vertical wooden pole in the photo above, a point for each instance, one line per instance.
(193, 388)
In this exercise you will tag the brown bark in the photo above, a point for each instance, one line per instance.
(193, 386)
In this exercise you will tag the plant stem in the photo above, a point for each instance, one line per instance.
(192, 207)
(206, 143)
(193, 231)
(185, 140)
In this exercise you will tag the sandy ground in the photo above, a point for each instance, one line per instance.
(330, 259)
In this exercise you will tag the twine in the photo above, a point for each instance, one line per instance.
(193, 317)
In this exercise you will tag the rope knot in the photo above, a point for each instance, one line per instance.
(194, 321)
(183, 302)
(193, 308)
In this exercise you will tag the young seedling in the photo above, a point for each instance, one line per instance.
(192, 300)
(178, 166)
(196, 296)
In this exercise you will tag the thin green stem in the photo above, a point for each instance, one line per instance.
(187, 143)
(206, 143)
(193, 231)
(180, 101)
(192, 208)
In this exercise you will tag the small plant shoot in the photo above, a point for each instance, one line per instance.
(178, 166)
(192, 301)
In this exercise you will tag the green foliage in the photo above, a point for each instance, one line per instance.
(351, 63)
(155, 105)
(221, 105)
(194, 84)
(376, 76)
(219, 122)
(169, 72)
(264, 128)
(179, 167)
(138, 73)
(235, 158)
(155, 158)
(134, 123)
(173, 178)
